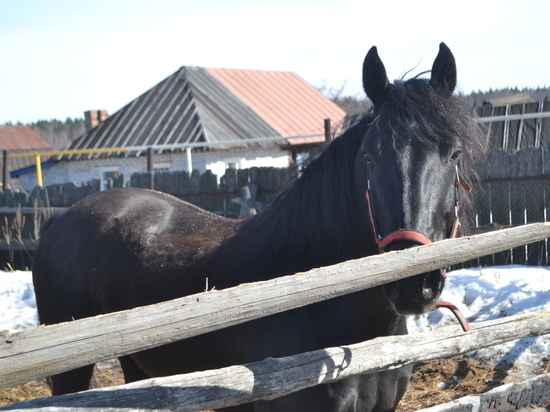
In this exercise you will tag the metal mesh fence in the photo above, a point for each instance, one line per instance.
(515, 188)
(512, 202)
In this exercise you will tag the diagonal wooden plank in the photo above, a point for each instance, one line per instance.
(272, 378)
(49, 350)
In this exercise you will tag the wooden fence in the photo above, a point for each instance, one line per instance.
(511, 397)
(272, 378)
(21, 213)
(514, 190)
(48, 350)
(202, 190)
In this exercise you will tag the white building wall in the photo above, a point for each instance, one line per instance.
(215, 160)
(243, 158)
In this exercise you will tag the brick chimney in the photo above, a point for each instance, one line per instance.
(93, 117)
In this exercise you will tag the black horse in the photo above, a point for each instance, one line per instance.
(391, 181)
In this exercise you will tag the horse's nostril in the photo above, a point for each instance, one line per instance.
(428, 293)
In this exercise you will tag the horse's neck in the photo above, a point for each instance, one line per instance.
(313, 224)
(288, 243)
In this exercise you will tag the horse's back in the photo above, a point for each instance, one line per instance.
(92, 257)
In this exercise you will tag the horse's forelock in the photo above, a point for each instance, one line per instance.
(437, 118)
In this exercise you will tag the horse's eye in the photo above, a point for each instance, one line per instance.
(455, 155)
(368, 158)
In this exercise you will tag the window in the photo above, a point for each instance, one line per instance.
(234, 164)
(107, 175)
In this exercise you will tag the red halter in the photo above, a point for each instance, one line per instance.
(412, 235)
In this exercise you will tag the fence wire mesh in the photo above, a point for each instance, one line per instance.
(512, 202)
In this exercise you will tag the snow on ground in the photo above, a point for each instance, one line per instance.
(481, 294)
(491, 293)
(17, 302)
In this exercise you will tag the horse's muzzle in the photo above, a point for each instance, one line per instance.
(417, 294)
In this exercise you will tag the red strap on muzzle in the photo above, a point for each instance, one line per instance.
(402, 234)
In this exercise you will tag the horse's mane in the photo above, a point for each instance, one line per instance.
(312, 222)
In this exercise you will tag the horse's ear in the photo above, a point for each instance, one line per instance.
(444, 71)
(375, 80)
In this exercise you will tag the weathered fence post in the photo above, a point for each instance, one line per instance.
(151, 166)
(328, 134)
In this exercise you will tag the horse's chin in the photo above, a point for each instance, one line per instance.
(415, 295)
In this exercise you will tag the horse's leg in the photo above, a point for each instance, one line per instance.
(391, 386)
(73, 381)
(403, 375)
(63, 296)
(132, 372)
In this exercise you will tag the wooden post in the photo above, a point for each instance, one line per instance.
(151, 166)
(506, 132)
(272, 378)
(6, 173)
(150, 160)
(328, 134)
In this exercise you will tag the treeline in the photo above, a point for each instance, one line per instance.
(57, 132)
(358, 103)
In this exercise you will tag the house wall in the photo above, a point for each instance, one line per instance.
(79, 171)
(219, 161)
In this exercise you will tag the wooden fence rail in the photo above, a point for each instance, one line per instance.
(49, 350)
(517, 396)
(272, 378)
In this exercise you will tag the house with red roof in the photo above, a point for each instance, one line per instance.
(204, 119)
(18, 139)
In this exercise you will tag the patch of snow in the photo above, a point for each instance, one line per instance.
(17, 301)
(491, 293)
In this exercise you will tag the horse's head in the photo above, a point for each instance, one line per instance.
(409, 168)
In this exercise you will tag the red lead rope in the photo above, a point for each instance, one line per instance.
(417, 237)
(458, 314)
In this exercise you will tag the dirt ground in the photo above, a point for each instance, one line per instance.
(432, 382)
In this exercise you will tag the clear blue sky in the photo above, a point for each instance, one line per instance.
(62, 57)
